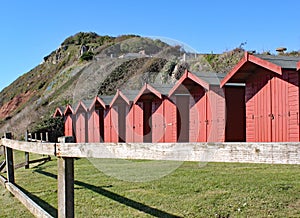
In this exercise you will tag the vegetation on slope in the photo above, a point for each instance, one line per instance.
(122, 73)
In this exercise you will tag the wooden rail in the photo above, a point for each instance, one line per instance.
(157, 151)
(67, 151)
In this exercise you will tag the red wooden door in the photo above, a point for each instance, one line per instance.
(170, 121)
(68, 125)
(138, 122)
(80, 127)
(209, 104)
(157, 121)
(285, 107)
(215, 104)
(129, 124)
(259, 109)
(263, 110)
(107, 125)
(198, 124)
(94, 125)
(202, 108)
(194, 118)
(280, 112)
(293, 106)
(91, 125)
(114, 124)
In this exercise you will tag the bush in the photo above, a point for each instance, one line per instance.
(53, 125)
(87, 56)
(180, 69)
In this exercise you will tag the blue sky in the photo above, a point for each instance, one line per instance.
(32, 29)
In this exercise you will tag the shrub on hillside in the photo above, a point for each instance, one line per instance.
(87, 56)
(53, 125)
(180, 69)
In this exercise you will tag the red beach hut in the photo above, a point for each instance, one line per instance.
(149, 116)
(119, 111)
(200, 114)
(68, 124)
(81, 122)
(96, 120)
(271, 96)
(107, 118)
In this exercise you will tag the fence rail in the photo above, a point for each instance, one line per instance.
(287, 153)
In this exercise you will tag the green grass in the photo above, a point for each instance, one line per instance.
(192, 190)
(10, 206)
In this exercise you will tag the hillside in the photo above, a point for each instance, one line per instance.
(87, 64)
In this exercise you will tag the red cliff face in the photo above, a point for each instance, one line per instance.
(9, 107)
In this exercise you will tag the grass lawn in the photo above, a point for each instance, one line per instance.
(191, 190)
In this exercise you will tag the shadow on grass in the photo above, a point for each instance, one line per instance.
(43, 204)
(118, 198)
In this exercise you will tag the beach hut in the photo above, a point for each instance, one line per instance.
(96, 120)
(271, 96)
(106, 118)
(120, 106)
(68, 121)
(200, 102)
(149, 114)
(81, 122)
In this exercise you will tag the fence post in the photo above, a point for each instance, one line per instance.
(26, 153)
(47, 137)
(9, 161)
(47, 140)
(65, 177)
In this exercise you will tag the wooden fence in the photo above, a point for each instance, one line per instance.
(66, 151)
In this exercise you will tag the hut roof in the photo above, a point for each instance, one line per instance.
(106, 99)
(204, 79)
(69, 109)
(84, 104)
(157, 89)
(127, 95)
(250, 63)
(92, 103)
(285, 62)
(59, 111)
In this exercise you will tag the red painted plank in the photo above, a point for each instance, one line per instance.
(107, 125)
(158, 130)
(80, 127)
(198, 123)
(68, 125)
(138, 122)
(129, 125)
(114, 124)
(170, 121)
